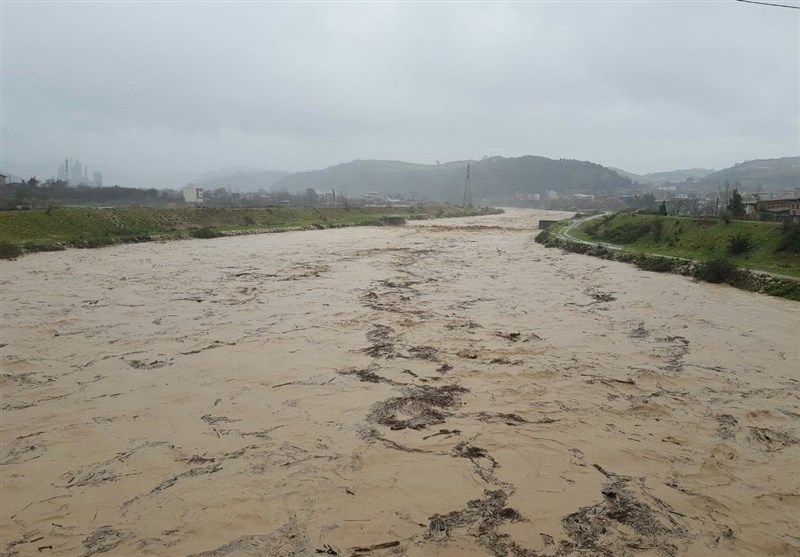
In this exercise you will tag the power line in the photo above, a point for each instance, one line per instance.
(467, 191)
(769, 4)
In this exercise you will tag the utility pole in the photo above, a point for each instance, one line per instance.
(467, 191)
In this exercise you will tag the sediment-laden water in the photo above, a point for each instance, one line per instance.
(445, 388)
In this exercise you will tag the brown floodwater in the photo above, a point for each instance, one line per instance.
(446, 388)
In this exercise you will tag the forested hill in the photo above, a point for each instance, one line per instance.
(491, 178)
(771, 174)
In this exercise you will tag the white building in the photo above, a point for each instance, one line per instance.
(192, 194)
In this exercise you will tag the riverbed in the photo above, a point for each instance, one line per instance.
(444, 388)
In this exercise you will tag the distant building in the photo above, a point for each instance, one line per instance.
(750, 206)
(63, 172)
(787, 209)
(2, 180)
(372, 198)
(97, 179)
(192, 194)
(74, 173)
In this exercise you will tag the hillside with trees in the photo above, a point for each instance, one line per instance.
(491, 178)
(770, 174)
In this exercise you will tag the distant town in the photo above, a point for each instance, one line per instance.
(529, 181)
(76, 174)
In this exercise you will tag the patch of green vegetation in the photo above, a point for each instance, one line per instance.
(582, 234)
(790, 239)
(750, 244)
(718, 270)
(784, 290)
(204, 233)
(627, 232)
(542, 236)
(9, 251)
(658, 264)
(55, 228)
(739, 243)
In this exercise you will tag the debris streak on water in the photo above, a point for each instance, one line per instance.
(445, 388)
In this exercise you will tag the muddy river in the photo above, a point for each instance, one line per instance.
(446, 388)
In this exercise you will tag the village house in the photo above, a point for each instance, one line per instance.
(750, 206)
(786, 210)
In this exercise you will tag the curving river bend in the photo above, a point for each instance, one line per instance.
(446, 388)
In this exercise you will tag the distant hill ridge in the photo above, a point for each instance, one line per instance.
(672, 176)
(502, 177)
(241, 180)
(493, 177)
(770, 174)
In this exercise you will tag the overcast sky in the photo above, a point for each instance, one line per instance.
(157, 93)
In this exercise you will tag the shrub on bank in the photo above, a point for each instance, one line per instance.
(784, 289)
(9, 250)
(627, 233)
(204, 233)
(592, 228)
(739, 243)
(95, 242)
(657, 264)
(32, 247)
(718, 270)
(790, 238)
(542, 237)
(657, 228)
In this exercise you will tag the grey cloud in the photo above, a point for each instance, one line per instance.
(186, 87)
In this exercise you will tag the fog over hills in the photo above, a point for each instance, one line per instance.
(240, 180)
(501, 177)
(673, 176)
(770, 174)
(225, 172)
(492, 177)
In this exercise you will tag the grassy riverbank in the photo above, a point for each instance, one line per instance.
(22, 231)
(766, 246)
(701, 248)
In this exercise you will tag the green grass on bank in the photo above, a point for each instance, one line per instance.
(767, 246)
(89, 227)
(579, 233)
